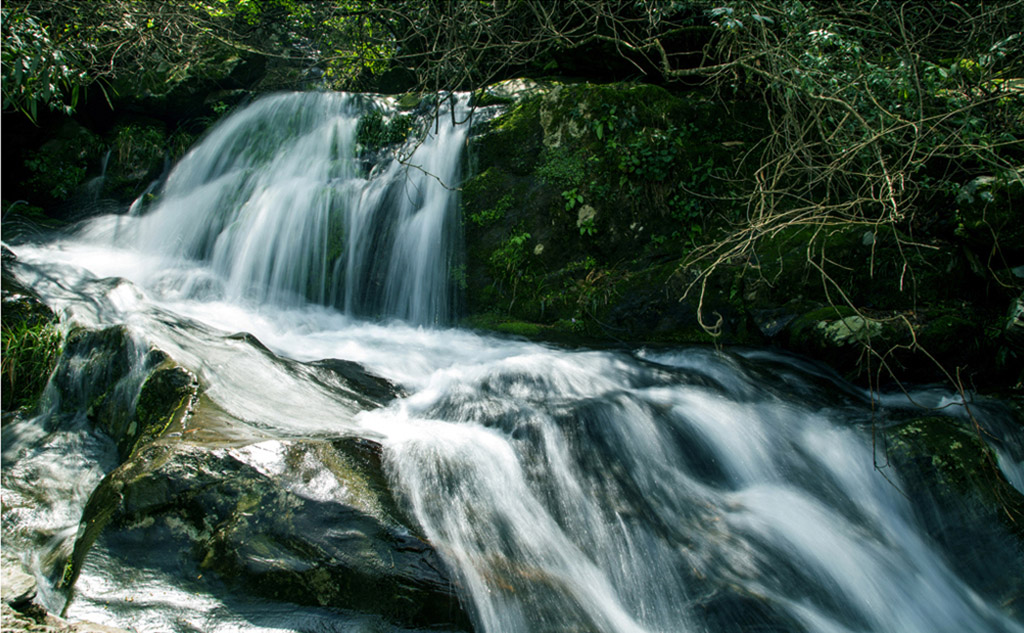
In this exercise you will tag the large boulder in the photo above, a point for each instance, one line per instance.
(947, 468)
(308, 522)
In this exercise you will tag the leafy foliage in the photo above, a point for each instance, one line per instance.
(509, 261)
(878, 115)
(491, 215)
(30, 351)
(36, 72)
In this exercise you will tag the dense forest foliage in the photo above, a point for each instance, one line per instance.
(905, 119)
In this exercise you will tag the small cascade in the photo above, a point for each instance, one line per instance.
(139, 204)
(93, 187)
(276, 200)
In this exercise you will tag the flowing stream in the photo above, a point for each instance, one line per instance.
(568, 489)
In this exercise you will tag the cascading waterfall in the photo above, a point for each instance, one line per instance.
(276, 200)
(569, 490)
(620, 493)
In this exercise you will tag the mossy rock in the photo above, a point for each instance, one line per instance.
(165, 400)
(307, 523)
(409, 101)
(512, 142)
(134, 393)
(958, 459)
(89, 374)
(945, 468)
(551, 230)
(509, 92)
(848, 339)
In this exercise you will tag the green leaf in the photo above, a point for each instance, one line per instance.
(599, 131)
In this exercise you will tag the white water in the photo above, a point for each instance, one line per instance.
(571, 490)
(270, 194)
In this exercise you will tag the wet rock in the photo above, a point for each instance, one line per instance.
(306, 522)
(730, 609)
(344, 376)
(21, 612)
(18, 586)
(946, 469)
(166, 399)
(18, 622)
(345, 373)
(772, 322)
(133, 392)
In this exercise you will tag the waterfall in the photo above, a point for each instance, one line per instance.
(566, 489)
(278, 202)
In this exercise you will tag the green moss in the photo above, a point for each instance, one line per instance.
(409, 101)
(514, 142)
(945, 327)
(376, 132)
(500, 323)
(809, 321)
(165, 399)
(563, 167)
(485, 98)
(955, 459)
(559, 155)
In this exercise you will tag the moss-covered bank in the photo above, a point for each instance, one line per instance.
(589, 208)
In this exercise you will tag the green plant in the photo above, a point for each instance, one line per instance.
(491, 215)
(54, 174)
(138, 145)
(30, 352)
(36, 71)
(509, 257)
(572, 198)
(508, 261)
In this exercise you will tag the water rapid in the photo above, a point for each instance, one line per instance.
(567, 489)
